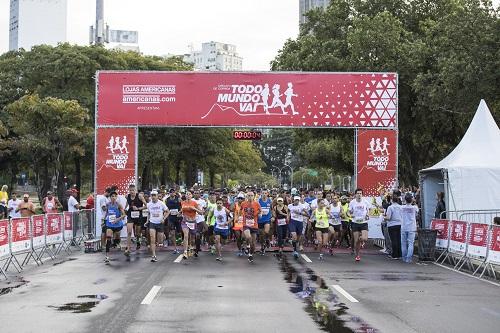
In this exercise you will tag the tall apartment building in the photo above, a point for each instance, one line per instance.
(307, 5)
(215, 56)
(35, 22)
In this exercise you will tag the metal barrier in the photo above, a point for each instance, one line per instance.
(4, 244)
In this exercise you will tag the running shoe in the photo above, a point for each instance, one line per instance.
(321, 256)
(301, 248)
(127, 253)
(239, 254)
(138, 247)
(358, 258)
(250, 258)
(362, 245)
(218, 258)
(185, 256)
(295, 254)
(106, 260)
(154, 259)
(331, 251)
(176, 251)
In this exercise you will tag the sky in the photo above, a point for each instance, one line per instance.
(258, 28)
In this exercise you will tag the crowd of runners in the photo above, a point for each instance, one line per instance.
(256, 220)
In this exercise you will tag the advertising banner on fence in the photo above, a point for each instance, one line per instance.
(38, 229)
(478, 239)
(54, 229)
(494, 252)
(247, 99)
(20, 234)
(377, 161)
(68, 226)
(458, 236)
(116, 158)
(442, 226)
(4, 238)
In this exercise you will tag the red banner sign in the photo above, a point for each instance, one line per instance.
(495, 239)
(116, 158)
(38, 225)
(20, 229)
(478, 234)
(458, 231)
(377, 161)
(247, 99)
(441, 226)
(68, 221)
(4, 232)
(53, 224)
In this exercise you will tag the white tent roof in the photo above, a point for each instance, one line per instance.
(480, 146)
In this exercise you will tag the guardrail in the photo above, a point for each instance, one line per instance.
(466, 243)
(39, 235)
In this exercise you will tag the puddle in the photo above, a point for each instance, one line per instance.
(396, 276)
(8, 286)
(62, 262)
(322, 304)
(97, 296)
(82, 307)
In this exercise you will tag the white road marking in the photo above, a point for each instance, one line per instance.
(345, 293)
(151, 295)
(306, 258)
(179, 259)
(475, 277)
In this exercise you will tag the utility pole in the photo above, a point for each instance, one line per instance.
(99, 23)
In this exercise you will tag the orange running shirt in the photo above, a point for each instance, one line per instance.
(250, 212)
(187, 209)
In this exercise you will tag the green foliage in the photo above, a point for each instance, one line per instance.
(446, 53)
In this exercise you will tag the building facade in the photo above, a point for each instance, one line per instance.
(215, 56)
(307, 5)
(36, 22)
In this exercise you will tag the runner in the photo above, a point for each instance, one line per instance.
(221, 229)
(144, 217)
(114, 217)
(201, 226)
(209, 235)
(265, 221)
(173, 203)
(190, 209)
(238, 223)
(251, 212)
(335, 223)
(280, 217)
(358, 208)
(134, 207)
(345, 219)
(158, 213)
(104, 200)
(50, 204)
(297, 213)
(321, 215)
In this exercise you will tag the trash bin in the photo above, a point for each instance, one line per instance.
(426, 244)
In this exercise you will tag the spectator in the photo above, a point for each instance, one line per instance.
(408, 228)
(73, 205)
(26, 208)
(90, 202)
(50, 204)
(3, 209)
(496, 220)
(4, 196)
(440, 207)
(12, 206)
(394, 219)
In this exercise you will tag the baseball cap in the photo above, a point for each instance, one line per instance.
(240, 196)
(279, 199)
(154, 192)
(49, 192)
(26, 195)
(296, 197)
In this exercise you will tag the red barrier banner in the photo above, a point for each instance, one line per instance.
(38, 229)
(247, 99)
(376, 161)
(458, 236)
(494, 250)
(20, 234)
(4, 238)
(116, 158)
(442, 226)
(54, 228)
(478, 239)
(68, 225)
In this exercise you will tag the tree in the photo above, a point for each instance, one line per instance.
(446, 53)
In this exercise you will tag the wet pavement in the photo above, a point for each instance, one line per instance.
(78, 293)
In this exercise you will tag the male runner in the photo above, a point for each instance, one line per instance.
(297, 213)
(158, 213)
(221, 228)
(238, 222)
(359, 211)
(113, 219)
(335, 223)
(265, 221)
(134, 207)
(190, 209)
(209, 235)
(201, 226)
(173, 203)
(251, 212)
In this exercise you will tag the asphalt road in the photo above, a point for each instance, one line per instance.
(81, 294)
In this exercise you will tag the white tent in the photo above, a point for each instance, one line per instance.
(470, 175)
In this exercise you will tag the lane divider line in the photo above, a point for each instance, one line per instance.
(345, 293)
(306, 258)
(151, 295)
(179, 259)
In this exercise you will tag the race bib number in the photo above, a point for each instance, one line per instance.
(296, 217)
(145, 212)
(156, 215)
(281, 221)
(135, 214)
(112, 218)
(240, 219)
(50, 206)
(359, 220)
(265, 211)
(174, 212)
(191, 225)
(222, 226)
(250, 223)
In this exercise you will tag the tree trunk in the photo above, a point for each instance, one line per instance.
(190, 173)
(212, 177)
(78, 175)
(178, 172)
(146, 173)
(164, 172)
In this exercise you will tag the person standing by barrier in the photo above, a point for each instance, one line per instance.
(439, 213)
(394, 218)
(4, 195)
(26, 207)
(115, 214)
(73, 204)
(4, 213)
(386, 202)
(408, 228)
(50, 204)
(12, 205)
